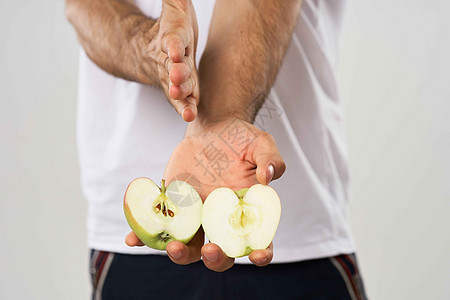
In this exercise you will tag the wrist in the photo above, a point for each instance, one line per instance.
(210, 123)
(220, 100)
(218, 109)
(198, 126)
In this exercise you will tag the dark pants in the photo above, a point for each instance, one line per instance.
(123, 277)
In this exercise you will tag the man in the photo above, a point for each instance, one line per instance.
(138, 53)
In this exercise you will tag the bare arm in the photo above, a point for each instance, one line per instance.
(111, 32)
(246, 44)
(122, 41)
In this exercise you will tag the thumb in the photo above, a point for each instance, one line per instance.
(187, 108)
(269, 163)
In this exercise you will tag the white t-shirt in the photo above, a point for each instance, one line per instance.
(127, 130)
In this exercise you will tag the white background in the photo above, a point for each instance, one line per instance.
(395, 81)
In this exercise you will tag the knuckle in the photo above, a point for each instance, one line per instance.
(185, 88)
(183, 70)
(189, 84)
(167, 63)
(190, 62)
(265, 136)
(182, 4)
(169, 37)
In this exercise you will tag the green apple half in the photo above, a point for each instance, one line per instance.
(161, 215)
(243, 221)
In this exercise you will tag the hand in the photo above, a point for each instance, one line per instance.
(173, 49)
(185, 254)
(231, 153)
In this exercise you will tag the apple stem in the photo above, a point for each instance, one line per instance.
(163, 186)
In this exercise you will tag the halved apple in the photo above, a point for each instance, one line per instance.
(161, 215)
(243, 221)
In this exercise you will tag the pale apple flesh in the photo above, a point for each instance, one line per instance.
(159, 216)
(243, 221)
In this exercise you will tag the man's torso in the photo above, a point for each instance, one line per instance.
(127, 130)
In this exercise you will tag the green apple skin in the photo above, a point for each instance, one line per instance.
(152, 241)
(248, 250)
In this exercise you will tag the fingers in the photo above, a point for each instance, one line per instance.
(182, 91)
(175, 24)
(174, 44)
(132, 240)
(183, 254)
(183, 83)
(262, 257)
(178, 74)
(215, 259)
(187, 108)
(181, 71)
(269, 163)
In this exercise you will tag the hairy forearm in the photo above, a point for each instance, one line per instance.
(112, 33)
(246, 45)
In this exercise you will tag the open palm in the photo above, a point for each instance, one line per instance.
(220, 156)
(231, 153)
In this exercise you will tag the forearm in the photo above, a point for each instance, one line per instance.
(113, 33)
(245, 48)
